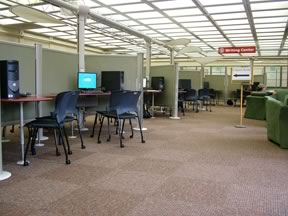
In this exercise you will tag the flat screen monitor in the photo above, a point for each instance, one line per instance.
(87, 80)
(185, 84)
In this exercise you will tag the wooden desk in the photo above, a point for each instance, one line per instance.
(21, 101)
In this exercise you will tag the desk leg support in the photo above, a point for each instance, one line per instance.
(152, 106)
(21, 162)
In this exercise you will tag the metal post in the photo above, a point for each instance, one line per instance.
(175, 107)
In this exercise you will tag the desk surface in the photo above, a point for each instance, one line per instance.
(27, 99)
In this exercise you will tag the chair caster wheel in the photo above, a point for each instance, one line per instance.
(143, 141)
(26, 163)
(70, 152)
(122, 146)
(91, 136)
(109, 139)
(99, 142)
(131, 136)
(83, 147)
(68, 162)
(58, 153)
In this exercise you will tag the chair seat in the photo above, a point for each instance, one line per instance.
(43, 123)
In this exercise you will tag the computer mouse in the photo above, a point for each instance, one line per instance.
(28, 93)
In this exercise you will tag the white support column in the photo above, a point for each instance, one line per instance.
(171, 56)
(148, 60)
(175, 107)
(139, 87)
(82, 14)
(252, 70)
(3, 174)
(38, 88)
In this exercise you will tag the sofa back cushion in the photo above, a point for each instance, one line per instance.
(281, 94)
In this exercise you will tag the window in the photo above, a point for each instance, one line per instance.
(218, 71)
(284, 77)
(273, 76)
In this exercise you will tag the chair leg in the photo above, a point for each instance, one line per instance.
(122, 128)
(100, 129)
(120, 133)
(64, 147)
(33, 141)
(109, 134)
(132, 132)
(56, 143)
(27, 146)
(140, 127)
(67, 141)
(80, 134)
(94, 125)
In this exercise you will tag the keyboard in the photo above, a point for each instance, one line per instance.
(91, 91)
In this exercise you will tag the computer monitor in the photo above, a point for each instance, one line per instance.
(87, 80)
(185, 84)
(157, 83)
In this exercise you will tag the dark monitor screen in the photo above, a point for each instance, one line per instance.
(206, 85)
(157, 83)
(185, 84)
(87, 80)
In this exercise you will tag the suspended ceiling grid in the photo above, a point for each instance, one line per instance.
(209, 24)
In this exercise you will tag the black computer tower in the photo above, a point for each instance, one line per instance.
(157, 83)
(112, 80)
(9, 78)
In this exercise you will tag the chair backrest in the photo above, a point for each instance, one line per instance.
(124, 101)
(61, 104)
(192, 93)
(203, 92)
(71, 106)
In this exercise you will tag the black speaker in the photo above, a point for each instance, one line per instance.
(112, 80)
(157, 83)
(9, 77)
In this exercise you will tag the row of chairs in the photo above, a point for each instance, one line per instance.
(122, 106)
(204, 96)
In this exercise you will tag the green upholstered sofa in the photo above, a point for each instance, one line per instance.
(277, 118)
(255, 106)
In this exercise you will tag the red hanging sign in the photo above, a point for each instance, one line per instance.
(232, 50)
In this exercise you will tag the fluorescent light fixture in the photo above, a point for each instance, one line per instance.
(33, 14)
(180, 41)
(189, 49)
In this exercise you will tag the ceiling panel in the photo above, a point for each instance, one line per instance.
(209, 24)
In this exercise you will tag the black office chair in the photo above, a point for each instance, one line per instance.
(181, 102)
(204, 96)
(191, 98)
(55, 121)
(122, 106)
(72, 114)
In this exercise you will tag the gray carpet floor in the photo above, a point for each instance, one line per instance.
(200, 165)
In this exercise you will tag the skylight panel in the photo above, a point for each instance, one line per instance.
(191, 18)
(269, 53)
(129, 23)
(3, 6)
(164, 26)
(174, 4)
(237, 31)
(235, 27)
(248, 42)
(238, 35)
(47, 8)
(90, 3)
(213, 2)
(172, 30)
(9, 21)
(103, 10)
(142, 15)
(221, 9)
(117, 17)
(214, 39)
(55, 33)
(64, 28)
(270, 30)
(211, 36)
(232, 22)
(211, 28)
(133, 8)
(68, 37)
(197, 24)
(93, 35)
(183, 12)
(149, 31)
(41, 30)
(270, 20)
(182, 34)
(229, 16)
(155, 21)
(269, 5)
(269, 34)
(242, 39)
(271, 13)
(265, 42)
(272, 25)
(201, 33)
(112, 2)
(6, 13)
(140, 27)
